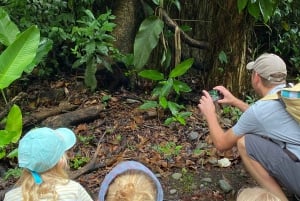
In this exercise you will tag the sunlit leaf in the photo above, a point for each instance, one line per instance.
(163, 102)
(148, 105)
(14, 123)
(18, 56)
(146, 40)
(152, 75)
(181, 68)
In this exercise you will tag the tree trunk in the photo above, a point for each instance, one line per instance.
(230, 34)
(215, 21)
(226, 30)
(129, 15)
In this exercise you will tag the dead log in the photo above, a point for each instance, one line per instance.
(73, 118)
(37, 117)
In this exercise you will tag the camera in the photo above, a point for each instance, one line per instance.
(215, 95)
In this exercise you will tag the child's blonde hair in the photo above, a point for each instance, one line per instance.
(132, 186)
(130, 181)
(256, 194)
(56, 175)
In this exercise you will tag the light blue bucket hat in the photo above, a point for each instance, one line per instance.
(124, 167)
(42, 148)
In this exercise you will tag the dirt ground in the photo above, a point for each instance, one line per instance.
(120, 131)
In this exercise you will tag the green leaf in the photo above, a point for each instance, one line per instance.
(163, 102)
(156, 2)
(185, 114)
(8, 29)
(44, 47)
(149, 105)
(181, 68)
(174, 108)
(14, 123)
(166, 88)
(13, 154)
(267, 8)
(146, 40)
(18, 56)
(253, 9)
(242, 5)
(177, 4)
(2, 153)
(223, 57)
(181, 120)
(181, 87)
(169, 120)
(152, 75)
(6, 137)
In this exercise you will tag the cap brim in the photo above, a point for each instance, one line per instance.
(68, 136)
(124, 167)
(250, 65)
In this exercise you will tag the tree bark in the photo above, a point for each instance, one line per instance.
(220, 24)
(216, 23)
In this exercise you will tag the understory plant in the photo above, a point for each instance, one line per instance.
(150, 32)
(165, 87)
(19, 55)
(94, 45)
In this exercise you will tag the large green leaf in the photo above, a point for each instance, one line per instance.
(44, 47)
(18, 56)
(152, 75)
(181, 87)
(181, 68)
(14, 123)
(253, 9)
(167, 86)
(8, 29)
(267, 8)
(146, 40)
(242, 4)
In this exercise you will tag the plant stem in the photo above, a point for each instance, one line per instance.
(3, 95)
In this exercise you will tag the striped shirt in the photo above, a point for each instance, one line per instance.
(72, 191)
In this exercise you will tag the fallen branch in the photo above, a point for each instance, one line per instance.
(74, 117)
(39, 116)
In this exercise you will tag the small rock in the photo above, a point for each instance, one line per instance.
(207, 179)
(201, 145)
(213, 160)
(193, 135)
(224, 162)
(225, 186)
(176, 176)
(173, 191)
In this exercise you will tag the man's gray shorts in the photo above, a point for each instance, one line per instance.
(272, 157)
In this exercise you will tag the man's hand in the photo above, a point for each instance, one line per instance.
(230, 99)
(206, 104)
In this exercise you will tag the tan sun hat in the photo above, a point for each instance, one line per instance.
(267, 65)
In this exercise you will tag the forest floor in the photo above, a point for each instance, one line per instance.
(182, 156)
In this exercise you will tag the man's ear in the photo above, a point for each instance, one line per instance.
(256, 77)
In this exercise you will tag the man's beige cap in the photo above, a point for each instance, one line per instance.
(267, 65)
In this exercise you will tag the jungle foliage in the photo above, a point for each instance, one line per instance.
(78, 34)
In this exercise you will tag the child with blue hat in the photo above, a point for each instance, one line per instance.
(41, 154)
